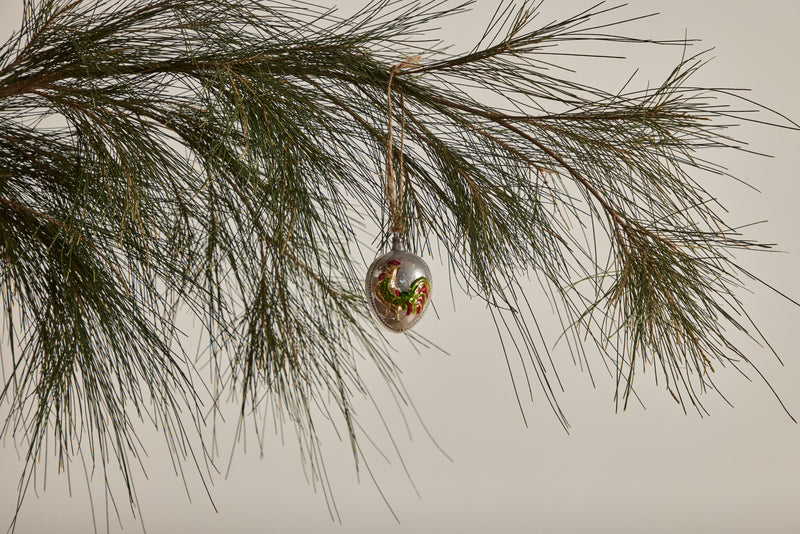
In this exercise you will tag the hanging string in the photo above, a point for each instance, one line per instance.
(401, 174)
(394, 184)
(394, 192)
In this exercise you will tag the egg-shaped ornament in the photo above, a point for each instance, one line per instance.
(398, 288)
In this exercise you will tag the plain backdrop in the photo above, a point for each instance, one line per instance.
(642, 471)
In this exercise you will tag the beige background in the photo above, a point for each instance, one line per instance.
(658, 471)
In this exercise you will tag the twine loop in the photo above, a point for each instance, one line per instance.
(394, 183)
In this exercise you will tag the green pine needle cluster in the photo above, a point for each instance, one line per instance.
(222, 160)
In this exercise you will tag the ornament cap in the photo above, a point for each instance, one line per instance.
(398, 244)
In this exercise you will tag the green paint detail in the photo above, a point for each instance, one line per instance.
(411, 301)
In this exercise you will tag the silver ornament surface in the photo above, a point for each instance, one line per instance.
(398, 287)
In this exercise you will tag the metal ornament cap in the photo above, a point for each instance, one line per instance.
(398, 287)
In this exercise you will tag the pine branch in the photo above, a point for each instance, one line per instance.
(220, 160)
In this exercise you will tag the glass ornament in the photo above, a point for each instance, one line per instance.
(398, 287)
